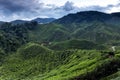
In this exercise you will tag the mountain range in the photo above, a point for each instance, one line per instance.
(75, 47)
(38, 20)
(90, 25)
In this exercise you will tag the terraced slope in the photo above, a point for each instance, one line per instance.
(36, 62)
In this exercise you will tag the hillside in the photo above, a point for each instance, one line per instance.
(89, 17)
(77, 44)
(36, 62)
(74, 47)
(90, 25)
(93, 26)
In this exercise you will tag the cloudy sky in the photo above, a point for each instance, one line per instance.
(30, 9)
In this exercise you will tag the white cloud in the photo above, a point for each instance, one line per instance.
(114, 8)
(30, 9)
(82, 3)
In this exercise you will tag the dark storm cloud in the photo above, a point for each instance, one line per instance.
(19, 5)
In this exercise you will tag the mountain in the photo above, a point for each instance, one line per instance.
(1, 22)
(75, 47)
(98, 27)
(94, 26)
(89, 17)
(43, 20)
(39, 20)
(117, 14)
(19, 21)
(85, 16)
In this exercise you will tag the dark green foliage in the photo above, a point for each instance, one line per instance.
(109, 67)
(49, 32)
(33, 50)
(2, 56)
(13, 36)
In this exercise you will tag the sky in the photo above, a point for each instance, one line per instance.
(29, 9)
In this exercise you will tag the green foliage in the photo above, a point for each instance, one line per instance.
(49, 32)
(98, 32)
(32, 50)
(76, 39)
(118, 78)
(2, 56)
(31, 60)
(13, 36)
(36, 62)
(76, 44)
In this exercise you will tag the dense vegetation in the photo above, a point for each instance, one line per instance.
(36, 62)
(12, 36)
(75, 47)
(76, 44)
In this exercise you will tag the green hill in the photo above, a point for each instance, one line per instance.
(89, 25)
(36, 62)
(98, 27)
(76, 44)
(77, 48)
(49, 32)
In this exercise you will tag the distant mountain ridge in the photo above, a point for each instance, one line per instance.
(90, 25)
(19, 21)
(117, 14)
(87, 16)
(39, 20)
(95, 26)
(44, 20)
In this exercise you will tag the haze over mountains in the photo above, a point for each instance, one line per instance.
(38, 20)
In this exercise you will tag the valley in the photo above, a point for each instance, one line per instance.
(75, 47)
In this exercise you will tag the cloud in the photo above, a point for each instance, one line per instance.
(29, 9)
(68, 6)
(114, 8)
(15, 9)
(107, 9)
(19, 5)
